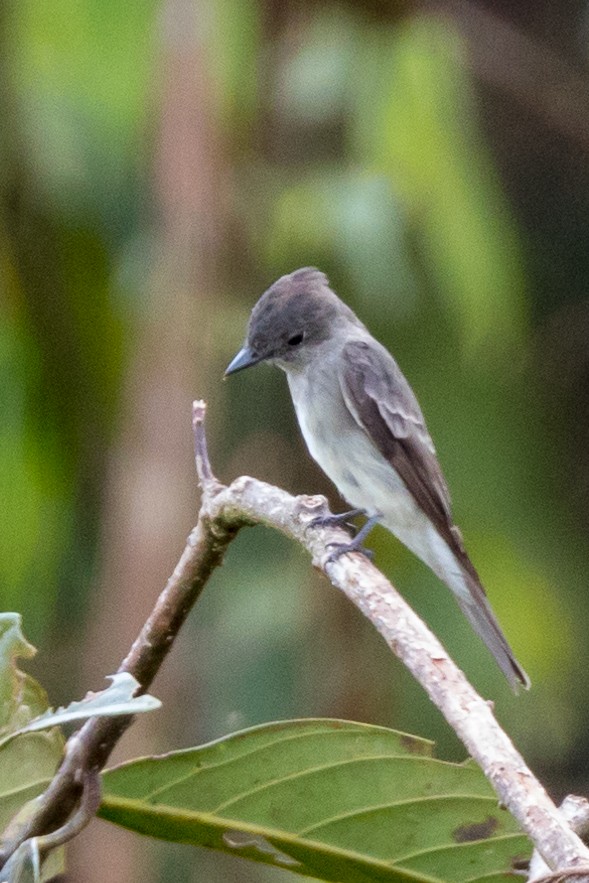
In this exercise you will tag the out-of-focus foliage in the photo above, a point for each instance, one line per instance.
(160, 164)
(423, 135)
(80, 74)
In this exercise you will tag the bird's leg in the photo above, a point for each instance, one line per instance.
(355, 545)
(335, 520)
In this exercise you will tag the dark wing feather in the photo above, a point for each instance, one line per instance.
(384, 405)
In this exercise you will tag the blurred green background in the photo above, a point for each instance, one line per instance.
(161, 163)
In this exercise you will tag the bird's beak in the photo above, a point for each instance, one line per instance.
(245, 358)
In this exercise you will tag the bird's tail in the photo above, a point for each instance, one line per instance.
(448, 558)
(458, 572)
(477, 610)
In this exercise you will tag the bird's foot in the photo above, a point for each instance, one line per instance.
(354, 545)
(337, 520)
(339, 549)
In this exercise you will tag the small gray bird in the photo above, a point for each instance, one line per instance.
(364, 427)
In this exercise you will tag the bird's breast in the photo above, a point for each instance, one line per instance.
(343, 449)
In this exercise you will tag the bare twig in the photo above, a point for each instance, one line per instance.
(89, 803)
(32, 851)
(248, 501)
(89, 748)
(201, 455)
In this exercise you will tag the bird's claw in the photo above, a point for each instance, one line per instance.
(340, 549)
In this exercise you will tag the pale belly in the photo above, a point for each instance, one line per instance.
(347, 455)
(362, 475)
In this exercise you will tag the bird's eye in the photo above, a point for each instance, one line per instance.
(295, 339)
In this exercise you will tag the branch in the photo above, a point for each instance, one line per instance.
(575, 810)
(224, 510)
(468, 714)
(89, 748)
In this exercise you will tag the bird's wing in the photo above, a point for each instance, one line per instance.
(383, 404)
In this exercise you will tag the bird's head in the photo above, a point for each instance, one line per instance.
(295, 315)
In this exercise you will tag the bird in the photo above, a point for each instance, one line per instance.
(363, 425)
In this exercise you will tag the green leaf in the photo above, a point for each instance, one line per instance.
(21, 697)
(330, 799)
(116, 700)
(27, 762)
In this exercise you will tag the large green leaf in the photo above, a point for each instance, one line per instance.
(330, 799)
